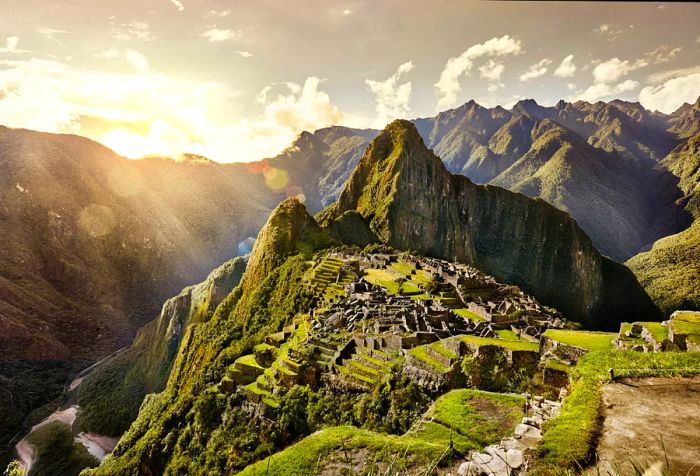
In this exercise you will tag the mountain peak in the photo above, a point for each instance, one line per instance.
(529, 106)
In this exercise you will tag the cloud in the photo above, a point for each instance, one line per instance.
(147, 113)
(663, 76)
(50, 33)
(11, 43)
(137, 60)
(244, 54)
(567, 68)
(492, 72)
(391, 98)
(216, 35)
(448, 85)
(607, 79)
(600, 91)
(570, 86)
(613, 69)
(111, 53)
(609, 31)
(673, 92)
(178, 4)
(347, 11)
(662, 54)
(216, 13)
(136, 30)
(536, 70)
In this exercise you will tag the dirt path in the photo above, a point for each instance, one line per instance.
(639, 414)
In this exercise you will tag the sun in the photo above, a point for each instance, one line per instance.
(159, 138)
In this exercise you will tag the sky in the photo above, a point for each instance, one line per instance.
(237, 81)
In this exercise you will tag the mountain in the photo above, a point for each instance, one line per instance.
(93, 243)
(318, 164)
(410, 201)
(670, 271)
(218, 412)
(109, 398)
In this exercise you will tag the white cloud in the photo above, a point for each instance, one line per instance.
(663, 76)
(111, 53)
(216, 35)
(136, 30)
(50, 33)
(137, 60)
(347, 11)
(448, 85)
(216, 13)
(178, 4)
(672, 93)
(566, 68)
(613, 69)
(609, 31)
(600, 91)
(570, 86)
(536, 70)
(492, 72)
(244, 54)
(662, 54)
(11, 43)
(392, 99)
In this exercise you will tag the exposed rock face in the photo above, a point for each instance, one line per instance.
(146, 364)
(410, 201)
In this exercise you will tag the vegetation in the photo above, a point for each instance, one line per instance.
(593, 341)
(569, 438)
(57, 453)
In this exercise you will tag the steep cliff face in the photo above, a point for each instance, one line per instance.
(410, 201)
(110, 396)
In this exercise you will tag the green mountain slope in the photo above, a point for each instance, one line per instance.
(410, 201)
(670, 271)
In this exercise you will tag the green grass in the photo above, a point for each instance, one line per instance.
(480, 418)
(508, 344)
(306, 457)
(507, 334)
(568, 438)
(593, 341)
(658, 331)
(249, 361)
(466, 313)
(420, 353)
(471, 419)
(687, 323)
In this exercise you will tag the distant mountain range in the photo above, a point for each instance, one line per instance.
(94, 243)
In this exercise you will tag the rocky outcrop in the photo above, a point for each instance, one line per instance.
(410, 201)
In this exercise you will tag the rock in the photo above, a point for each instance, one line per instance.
(514, 458)
(533, 421)
(527, 431)
(482, 458)
(511, 443)
(469, 468)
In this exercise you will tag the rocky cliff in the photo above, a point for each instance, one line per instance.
(410, 201)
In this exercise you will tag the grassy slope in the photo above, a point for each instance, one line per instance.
(471, 419)
(585, 339)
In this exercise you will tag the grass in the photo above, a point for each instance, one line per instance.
(508, 344)
(466, 313)
(507, 334)
(469, 419)
(420, 353)
(589, 340)
(249, 361)
(473, 418)
(687, 323)
(658, 331)
(568, 438)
